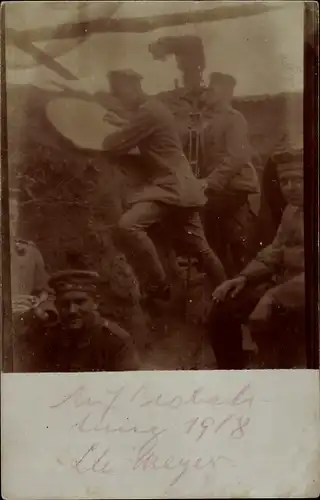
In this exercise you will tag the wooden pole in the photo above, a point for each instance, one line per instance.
(6, 316)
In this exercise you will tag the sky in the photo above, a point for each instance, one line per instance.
(263, 52)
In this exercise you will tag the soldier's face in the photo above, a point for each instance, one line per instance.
(127, 92)
(218, 92)
(291, 183)
(76, 309)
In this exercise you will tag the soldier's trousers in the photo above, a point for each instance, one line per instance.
(281, 345)
(228, 224)
(183, 228)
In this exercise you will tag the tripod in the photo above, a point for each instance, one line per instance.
(193, 157)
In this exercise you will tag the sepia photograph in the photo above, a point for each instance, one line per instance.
(155, 186)
(159, 248)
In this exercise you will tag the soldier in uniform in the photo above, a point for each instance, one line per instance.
(270, 290)
(29, 279)
(271, 207)
(171, 194)
(30, 294)
(229, 175)
(81, 340)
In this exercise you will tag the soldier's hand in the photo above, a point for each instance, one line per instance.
(40, 314)
(229, 288)
(114, 119)
(204, 184)
(48, 316)
(46, 311)
(22, 303)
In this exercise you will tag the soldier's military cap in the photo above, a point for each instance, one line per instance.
(222, 78)
(116, 76)
(74, 280)
(288, 155)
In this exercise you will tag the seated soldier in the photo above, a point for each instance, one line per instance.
(29, 279)
(270, 289)
(30, 293)
(81, 340)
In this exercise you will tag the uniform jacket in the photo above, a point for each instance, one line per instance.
(227, 153)
(284, 259)
(103, 347)
(28, 274)
(168, 175)
(182, 103)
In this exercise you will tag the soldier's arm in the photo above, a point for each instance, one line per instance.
(123, 350)
(27, 325)
(40, 281)
(75, 93)
(47, 304)
(140, 127)
(237, 154)
(269, 259)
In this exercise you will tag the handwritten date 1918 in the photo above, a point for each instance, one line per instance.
(200, 426)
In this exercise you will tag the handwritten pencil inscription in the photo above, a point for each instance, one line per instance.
(125, 431)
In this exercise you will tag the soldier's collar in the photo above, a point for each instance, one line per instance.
(297, 209)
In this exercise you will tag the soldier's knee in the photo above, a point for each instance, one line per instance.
(126, 224)
(219, 314)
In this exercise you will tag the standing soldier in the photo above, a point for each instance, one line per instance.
(81, 340)
(171, 194)
(229, 174)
